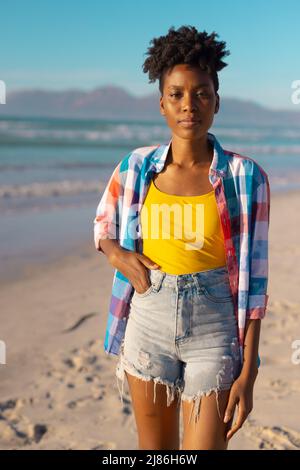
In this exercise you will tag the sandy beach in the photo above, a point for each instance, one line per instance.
(58, 388)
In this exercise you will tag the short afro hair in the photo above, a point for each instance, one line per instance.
(185, 46)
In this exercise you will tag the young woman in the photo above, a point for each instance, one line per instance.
(185, 225)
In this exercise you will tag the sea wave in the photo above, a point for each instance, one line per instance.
(111, 133)
(101, 134)
(257, 134)
(56, 188)
(57, 165)
(264, 149)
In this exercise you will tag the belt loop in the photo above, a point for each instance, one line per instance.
(157, 282)
(196, 281)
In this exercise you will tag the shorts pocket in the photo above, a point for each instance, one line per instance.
(219, 292)
(146, 293)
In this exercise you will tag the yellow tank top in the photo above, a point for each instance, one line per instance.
(182, 234)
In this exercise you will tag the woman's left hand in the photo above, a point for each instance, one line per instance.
(241, 394)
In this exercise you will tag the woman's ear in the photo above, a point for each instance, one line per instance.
(217, 107)
(161, 106)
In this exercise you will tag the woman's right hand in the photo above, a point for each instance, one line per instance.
(133, 266)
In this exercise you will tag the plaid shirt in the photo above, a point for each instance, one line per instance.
(242, 193)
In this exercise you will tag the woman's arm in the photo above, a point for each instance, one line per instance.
(259, 262)
(241, 393)
(107, 220)
(251, 345)
(111, 248)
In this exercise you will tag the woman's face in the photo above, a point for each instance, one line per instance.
(189, 93)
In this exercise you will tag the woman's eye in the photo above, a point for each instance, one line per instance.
(203, 93)
(198, 94)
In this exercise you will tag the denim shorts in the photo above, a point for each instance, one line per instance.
(182, 332)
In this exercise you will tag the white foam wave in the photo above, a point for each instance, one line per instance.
(107, 134)
(264, 149)
(57, 188)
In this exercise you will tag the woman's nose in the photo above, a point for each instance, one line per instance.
(189, 102)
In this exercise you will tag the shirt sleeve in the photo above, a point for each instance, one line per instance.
(259, 259)
(106, 222)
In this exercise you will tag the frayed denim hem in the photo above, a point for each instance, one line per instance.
(224, 381)
(173, 389)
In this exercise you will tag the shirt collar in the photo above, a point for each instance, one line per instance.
(218, 165)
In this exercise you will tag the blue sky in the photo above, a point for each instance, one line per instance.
(61, 44)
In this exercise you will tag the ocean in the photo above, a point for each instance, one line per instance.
(53, 172)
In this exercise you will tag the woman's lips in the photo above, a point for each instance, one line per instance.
(189, 124)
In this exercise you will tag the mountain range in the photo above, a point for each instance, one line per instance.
(115, 103)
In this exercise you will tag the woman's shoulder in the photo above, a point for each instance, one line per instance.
(136, 157)
(244, 165)
(141, 153)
